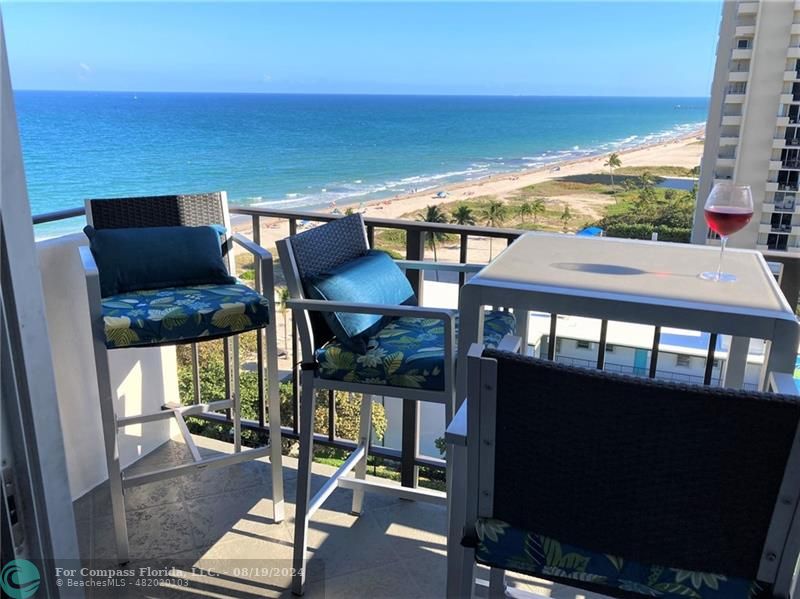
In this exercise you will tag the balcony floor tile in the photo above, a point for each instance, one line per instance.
(222, 519)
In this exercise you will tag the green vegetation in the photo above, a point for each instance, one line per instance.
(644, 209)
(645, 231)
(462, 215)
(565, 217)
(434, 214)
(612, 163)
(494, 215)
(212, 386)
(658, 171)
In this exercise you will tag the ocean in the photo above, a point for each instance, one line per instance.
(307, 151)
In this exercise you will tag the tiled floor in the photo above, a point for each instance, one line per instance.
(213, 532)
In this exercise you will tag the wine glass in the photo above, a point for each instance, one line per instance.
(728, 209)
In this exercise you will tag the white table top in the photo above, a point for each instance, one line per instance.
(643, 272)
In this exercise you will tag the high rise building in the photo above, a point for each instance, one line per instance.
(753, 128)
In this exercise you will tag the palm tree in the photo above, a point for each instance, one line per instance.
(463, 215)
(646, 179)
(565, 217)
(433, 214)
(538, 208)
(494, 215)
(612, 163)
(524, 209)
(283, 305)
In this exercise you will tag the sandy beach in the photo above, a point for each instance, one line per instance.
(685, 152)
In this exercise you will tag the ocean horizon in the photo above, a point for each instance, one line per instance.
(308, 151)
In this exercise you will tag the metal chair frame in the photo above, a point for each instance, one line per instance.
(111, 423)
(310, 381)
(472, 442)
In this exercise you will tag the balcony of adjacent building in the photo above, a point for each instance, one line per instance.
(781, 202)
(790, 139)
(726, 158)
(747, 8)
(779, 243)
(789, 159)
(742, 49)
(784, 180)
(735, 92)
(780, 222)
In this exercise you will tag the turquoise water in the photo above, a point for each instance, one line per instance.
(296, 151)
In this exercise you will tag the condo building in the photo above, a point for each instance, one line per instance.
(753, 127)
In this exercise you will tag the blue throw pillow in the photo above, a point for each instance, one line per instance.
(373, 278)
(157, 257)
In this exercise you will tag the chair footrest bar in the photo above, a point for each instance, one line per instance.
(335, 479)
(427, 495)
(187, 436)
(168, 412)
(206, 463)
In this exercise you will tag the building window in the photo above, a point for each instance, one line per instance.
(583, 345)
(610, 348)
(683, 360)
(743, 44)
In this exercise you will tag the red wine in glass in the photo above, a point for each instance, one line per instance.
(728, 209)
(725, 220)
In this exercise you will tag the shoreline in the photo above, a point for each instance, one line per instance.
(684, 150)
(546, 164)
(553, 170)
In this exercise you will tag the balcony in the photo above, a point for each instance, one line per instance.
(396, 549)
(733, 120)
(738, 76)
(792, 163)
(726, 161)
(778, 143)
(728, 141)
(786, 99)
(741, 54)
(782, 121)
(772, 186)
(775, 165)
(747, 8)
(745, 30)
(790, 75)
(794, 51)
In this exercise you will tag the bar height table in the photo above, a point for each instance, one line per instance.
(632, 281)
(644, 282)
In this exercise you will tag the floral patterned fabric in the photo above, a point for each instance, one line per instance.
(176, 314)
(503, 546)
(408, 352)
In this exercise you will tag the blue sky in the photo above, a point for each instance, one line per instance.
(542, 48)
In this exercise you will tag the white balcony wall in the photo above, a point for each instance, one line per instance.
(144, 379)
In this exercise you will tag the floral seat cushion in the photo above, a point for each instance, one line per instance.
(179, 314)
(407, 352)
(501, 545)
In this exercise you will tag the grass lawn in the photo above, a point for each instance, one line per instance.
(658, 171)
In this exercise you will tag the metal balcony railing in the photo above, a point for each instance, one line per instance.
(415, 237)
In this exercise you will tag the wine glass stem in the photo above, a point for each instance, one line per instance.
(724, 239)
